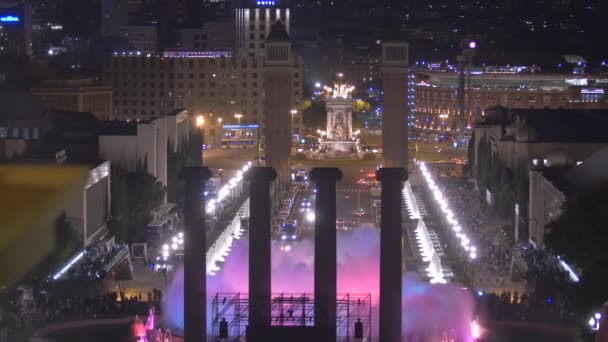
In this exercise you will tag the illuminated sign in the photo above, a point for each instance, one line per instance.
(592, 91)
(240, 126)
(266, 3)
(9, 18)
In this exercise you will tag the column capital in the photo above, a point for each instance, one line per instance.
(391, 173)
(261, 174)
(198, 173)
(325, 173)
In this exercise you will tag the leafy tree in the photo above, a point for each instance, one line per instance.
(580, 235)
(144, 193)
(134, 195)
(470, 154)
(66, 244)
(306, 104)
(483, 163)
(361, 106)
(175, 162)
(194, 148)
(119, 208)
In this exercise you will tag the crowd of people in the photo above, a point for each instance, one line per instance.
(525, 307)
(44, 309)
(93, 262)
(493, 244)
(546, 282)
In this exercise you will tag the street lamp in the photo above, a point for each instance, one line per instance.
(200, 120)
(293, 112)
(238, 117)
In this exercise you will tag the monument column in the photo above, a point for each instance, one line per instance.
(394, 102)
(391, 245)
(195, 262)
(260, 179)
(278, 69)
(325, 282)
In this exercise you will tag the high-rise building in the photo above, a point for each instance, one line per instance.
(15, 29)
(185, 13)
(114, 14)
(47, 26)
(254, 20)
(139, 38)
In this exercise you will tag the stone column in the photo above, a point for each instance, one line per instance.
(259, 248)
(325, 250)
(195, 262)
(391, 253)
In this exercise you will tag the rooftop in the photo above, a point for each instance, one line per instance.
(116, 127)
(567, 125)
(278, 33)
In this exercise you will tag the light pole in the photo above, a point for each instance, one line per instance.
(219, 130)
(200, 122)
(238, 118)
(293, 112)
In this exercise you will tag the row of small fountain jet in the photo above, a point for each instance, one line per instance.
(428, 243)
(441, 200)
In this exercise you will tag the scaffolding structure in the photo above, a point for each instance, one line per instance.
(292, 310)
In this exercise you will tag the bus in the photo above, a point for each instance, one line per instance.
(237, 143)
(289, 230)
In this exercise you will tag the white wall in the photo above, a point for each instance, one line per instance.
(120, 149)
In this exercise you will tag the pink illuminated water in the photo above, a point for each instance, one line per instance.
(427, 308)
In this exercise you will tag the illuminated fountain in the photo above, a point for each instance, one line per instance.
(424, 305)
(339, 133)
(147, 332)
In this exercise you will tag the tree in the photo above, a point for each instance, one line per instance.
(175, 162)
(144, 193)
(470, 154)
(361, 106)
(134, 195)
(580, 235)
(194, 148)
(119, 208)
(306, 104)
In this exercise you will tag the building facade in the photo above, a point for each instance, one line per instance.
(142, 38)
(130, 144)
(555, 178)
(436, 97)
(545, 203)
(15, 29)
(254, 20)
(215, 87)
(82, 95)
(47, 26)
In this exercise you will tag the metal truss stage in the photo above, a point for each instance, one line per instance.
(231, 310)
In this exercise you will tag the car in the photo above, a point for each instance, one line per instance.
(340, 224)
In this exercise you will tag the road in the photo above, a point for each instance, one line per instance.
(351, 197)
(230, 159)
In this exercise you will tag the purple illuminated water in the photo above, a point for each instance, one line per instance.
(427, 309)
